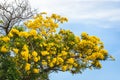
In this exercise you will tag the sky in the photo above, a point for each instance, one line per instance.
(96, 17)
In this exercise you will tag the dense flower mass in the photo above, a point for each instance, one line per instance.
(41, 48)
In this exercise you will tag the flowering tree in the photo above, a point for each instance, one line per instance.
(35, 52)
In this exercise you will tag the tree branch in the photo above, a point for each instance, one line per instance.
(14, 13)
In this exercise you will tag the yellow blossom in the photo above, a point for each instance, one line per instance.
(33, 32)
(80, 55)
(72, 54)
(10, 34)
(43, 32)
(77, 39)
(48, 57)
(64, 53)
(84, 35)
(34, 53)
(15, 50)
(38, 57)
(75, 64)
(51, 64)
(97, 64)
(29, 56)
(14, 31)
(44, 53)
(93, 56)
(36, 70)
(35, 59)
(44, 63)
(25, 54)
(6, 39)
(43, 13)
(100, 55)
(54, 60)
(27, 67)
(70, 61)
(64, 68)
(25, 47)
(4, 49)
(104, 52)
(24, 34)
(60, 60)
(55, 50)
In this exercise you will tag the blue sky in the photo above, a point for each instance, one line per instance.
(100, 18)
(96, 17)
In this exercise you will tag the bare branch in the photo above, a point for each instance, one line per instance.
(15, 12)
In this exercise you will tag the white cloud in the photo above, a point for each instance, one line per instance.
(77, 10)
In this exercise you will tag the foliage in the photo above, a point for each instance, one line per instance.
(35, 52)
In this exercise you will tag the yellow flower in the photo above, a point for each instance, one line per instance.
(44, 44)
(24, 34)
(80, 55)
(51, 64)
(43, 32)
(43, 13)
(25, 47)
(14, 31)
(64, 53)
(33, 32)
(15, 50)
(54, 60)
(44, 53)
(64, 68)
(35, 59)
(96, 48)
(75, 64)
(40, 45)
(34, 53)
(10, 34)
(70, 61)
(44, 63)
(97, 64)
(4, 49)
(54, 16)
(100, 55)
(77, 39)
(6, 39)
(72, 54)
(84, 35)
(93, 56)
(25, 54)
(60, 60)
(48, 57)
(38, 57)
(27, 67)
(36, 70)
(29, 56)
(104, 52)
(51, 44)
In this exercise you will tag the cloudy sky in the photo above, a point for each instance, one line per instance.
(96, 17)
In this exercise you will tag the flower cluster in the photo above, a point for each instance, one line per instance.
(42, 49)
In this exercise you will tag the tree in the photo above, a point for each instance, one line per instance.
(41, 50)
(13, 13)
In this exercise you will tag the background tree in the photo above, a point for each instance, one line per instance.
(42, 50)
(12, 13)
